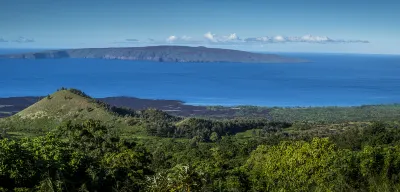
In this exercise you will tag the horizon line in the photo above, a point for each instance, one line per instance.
(295, 52)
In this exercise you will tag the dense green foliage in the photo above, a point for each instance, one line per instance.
(85, 157)
(316, 114)
(89, 156)
(100, 148)
(204, 129)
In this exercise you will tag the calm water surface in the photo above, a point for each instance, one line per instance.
(330, 79)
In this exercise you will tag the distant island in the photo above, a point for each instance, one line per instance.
(160, 54)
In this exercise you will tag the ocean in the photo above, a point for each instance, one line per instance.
(328, 80)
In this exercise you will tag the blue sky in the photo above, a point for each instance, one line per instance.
(355, 26)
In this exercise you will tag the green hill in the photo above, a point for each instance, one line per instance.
(65, 105)
(61, 106)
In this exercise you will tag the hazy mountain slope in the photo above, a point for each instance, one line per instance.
(161, 54)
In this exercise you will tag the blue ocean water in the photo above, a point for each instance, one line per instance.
(329, 80)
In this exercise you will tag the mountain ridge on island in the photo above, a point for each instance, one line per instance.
(160, 54)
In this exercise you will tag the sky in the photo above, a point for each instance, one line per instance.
(340, 26)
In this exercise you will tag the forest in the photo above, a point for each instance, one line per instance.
(71, 142)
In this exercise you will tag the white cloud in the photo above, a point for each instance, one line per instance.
(172, 38)
(2, 40)
(24, 40)
(209, 36)
(234, 39)
(279, 38)
(299, 39)
(311, 38)
(182, 40)
(221, 39)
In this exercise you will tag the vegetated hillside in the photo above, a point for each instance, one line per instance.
(388, 112)
(150, 150)
(161, 54)
(89, 156)
(74, 105)
(65, 104)
(12, 105)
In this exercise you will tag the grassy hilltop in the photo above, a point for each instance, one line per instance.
(65, 104)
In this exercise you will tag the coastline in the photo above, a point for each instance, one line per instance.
(12, 105)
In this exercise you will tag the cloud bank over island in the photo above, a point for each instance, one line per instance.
(181, 40)
(213, 40)
(221, 39)
(234, 38)
(299, 39)
(210, 38)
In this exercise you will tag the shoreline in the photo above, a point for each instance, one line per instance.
(12, 105)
